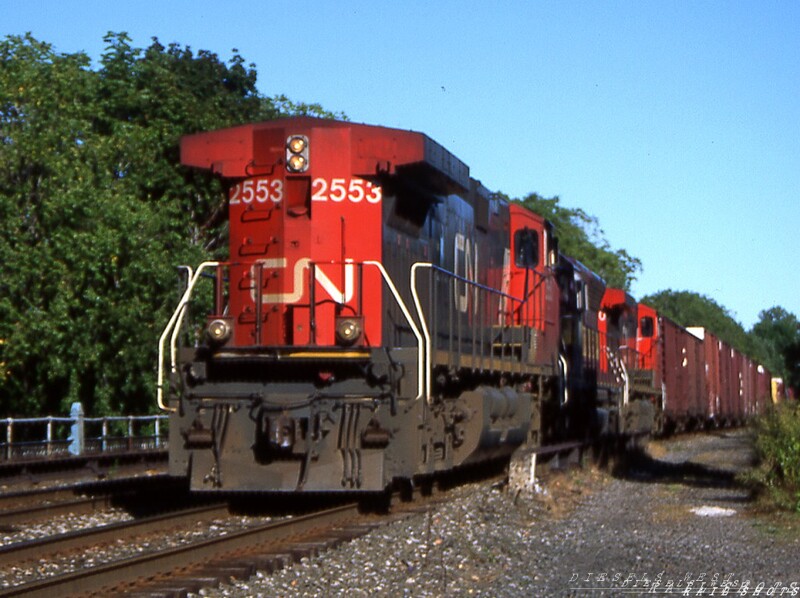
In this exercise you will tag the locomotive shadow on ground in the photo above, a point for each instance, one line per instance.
(640, 466)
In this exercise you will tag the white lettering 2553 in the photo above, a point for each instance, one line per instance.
(337, 190)
(259, 190)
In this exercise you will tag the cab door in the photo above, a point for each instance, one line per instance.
(532, 283)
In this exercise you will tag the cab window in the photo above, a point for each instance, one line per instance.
(646, 327)
(526, 248)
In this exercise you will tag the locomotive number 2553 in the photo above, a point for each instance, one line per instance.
(259, 190)
(338, 190)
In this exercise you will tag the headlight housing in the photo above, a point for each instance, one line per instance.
(219, 331)
(349, 330)
(297, 153)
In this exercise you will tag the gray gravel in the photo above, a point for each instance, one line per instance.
(677, 527)
(52, 565)
(63, 524)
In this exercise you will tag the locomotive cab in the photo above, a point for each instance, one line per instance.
(534, 248)
(629, 406)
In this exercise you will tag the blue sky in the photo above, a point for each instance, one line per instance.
(675, 123)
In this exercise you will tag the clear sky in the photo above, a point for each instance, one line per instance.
(675, 123)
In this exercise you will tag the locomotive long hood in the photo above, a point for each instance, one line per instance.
(239, 151)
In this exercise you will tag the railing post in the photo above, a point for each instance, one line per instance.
(49, 445)
(130, 432)
(158, 431)
(312, 304)
(218, 292)
(76, 434)
(104, 434)
(9, 437)
(259, 298)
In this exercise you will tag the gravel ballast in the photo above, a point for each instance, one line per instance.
(676, 525)
(51, 565)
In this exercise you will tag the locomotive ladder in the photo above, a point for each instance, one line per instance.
(617, 366)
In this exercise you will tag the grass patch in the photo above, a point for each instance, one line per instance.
(777, 443)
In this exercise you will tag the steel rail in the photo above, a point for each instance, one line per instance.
(24, 498)
(84, 497)
(115, 577)
(78, 506)
(35, 549)
(92, 467)
(278, 540)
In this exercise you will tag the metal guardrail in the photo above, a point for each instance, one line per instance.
(76, 435)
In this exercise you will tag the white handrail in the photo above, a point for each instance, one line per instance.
(423, 321)
(626, 385)
(424, 324)
(54, 442)
(173, 328)
(565, 377)
(387, 279)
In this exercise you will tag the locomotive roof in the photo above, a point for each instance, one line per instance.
(230, 152)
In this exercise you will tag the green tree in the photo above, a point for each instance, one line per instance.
(47, 217)
(779, 333)
(95, 211)
(581, 237)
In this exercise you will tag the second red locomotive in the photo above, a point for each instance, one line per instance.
(382, 316)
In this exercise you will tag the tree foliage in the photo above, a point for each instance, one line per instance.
(779, 333)
(581, 237)
(95, 212)
(688, 308)
(777, 441)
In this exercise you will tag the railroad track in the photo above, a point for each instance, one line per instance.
(30, 505)
(122, 575)
(21, 552)
(210, 561)
(22, 507)
(16, 500)
(10, 519)
(26, 473)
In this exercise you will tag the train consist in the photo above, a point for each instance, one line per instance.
(384, 317)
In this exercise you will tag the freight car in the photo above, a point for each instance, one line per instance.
(383, 317)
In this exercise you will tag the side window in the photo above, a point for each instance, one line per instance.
(526, 248)
(580, 295)
(646, 326)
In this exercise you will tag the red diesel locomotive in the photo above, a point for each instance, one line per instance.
(382, 317)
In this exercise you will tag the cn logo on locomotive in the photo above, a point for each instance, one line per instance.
(466, 266)
(299, 278)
